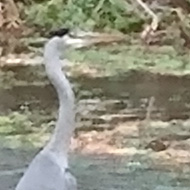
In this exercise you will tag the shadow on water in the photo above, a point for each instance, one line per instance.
(171, 92)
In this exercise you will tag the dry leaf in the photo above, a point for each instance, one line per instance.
(11, 12)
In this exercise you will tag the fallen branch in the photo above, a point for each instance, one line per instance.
(150, 29)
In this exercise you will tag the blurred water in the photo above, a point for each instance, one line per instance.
(97, 172)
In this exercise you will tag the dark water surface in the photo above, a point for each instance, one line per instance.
(97, 172)
(30, 86)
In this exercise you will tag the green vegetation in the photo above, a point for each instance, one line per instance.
(118, 59)
(19, 129)
(168, 55)
(85, 14)
(15, 123)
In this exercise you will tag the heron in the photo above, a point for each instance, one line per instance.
(49, 170)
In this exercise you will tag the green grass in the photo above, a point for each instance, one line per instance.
(18, 130)
(122, 58)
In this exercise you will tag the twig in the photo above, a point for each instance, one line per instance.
(144, 126)
(150, 29)
(150, 108)
(155, 19)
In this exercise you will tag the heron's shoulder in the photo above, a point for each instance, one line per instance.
(54, 157)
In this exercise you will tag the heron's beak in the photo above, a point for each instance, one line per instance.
(76, 42)
(85, 39)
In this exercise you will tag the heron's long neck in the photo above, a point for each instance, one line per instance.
(60, 140)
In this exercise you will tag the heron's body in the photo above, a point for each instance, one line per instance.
(49, 169)
(46, 172)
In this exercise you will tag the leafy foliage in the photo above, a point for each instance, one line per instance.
(89, 14)
(16, 123)
(17, 130)
(119, 59)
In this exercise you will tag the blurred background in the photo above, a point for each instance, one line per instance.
(132, 91)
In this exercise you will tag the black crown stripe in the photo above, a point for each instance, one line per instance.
(60, 33)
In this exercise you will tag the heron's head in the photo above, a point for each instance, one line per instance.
(65, 38)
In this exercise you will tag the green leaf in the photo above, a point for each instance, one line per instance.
(121, 4)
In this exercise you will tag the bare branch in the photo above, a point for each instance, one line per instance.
(150, 29)
(155, 19)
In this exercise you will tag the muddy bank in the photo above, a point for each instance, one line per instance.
(28, 85)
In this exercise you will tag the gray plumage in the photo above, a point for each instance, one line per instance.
(45, 174)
